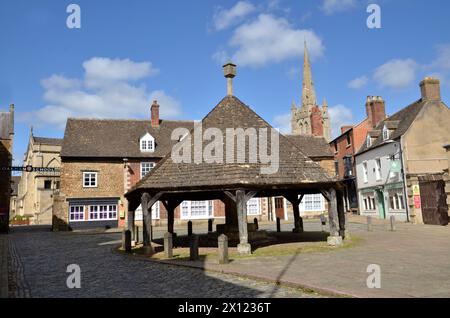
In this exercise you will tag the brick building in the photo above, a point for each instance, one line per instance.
(402, 166)
(348, 143)
(6, 146)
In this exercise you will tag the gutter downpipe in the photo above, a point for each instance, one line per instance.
(404, 180)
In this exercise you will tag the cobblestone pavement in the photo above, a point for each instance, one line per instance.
(38, 261)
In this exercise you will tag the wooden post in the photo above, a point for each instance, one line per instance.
(170, 220)
(334, 239)
(244, 247)
(223, 249)
(126, 241)
(189, 225)
(278, 225)
(210, 225)
(136, 239)
(255, 221)
(298, 220)
(130, 222)
(193, 248)
(146, 217)
(168, 245)
(341, 213)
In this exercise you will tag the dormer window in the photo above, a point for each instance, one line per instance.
(368, 141)
(147, 143)
(385, 133)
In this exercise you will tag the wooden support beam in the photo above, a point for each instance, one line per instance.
(170, 206)
(241, 206)
(230, 195)
(295, 200)
(334, 239)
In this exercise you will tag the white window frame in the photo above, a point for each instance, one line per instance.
(253, 206)
(385, 133)
(111, 209)
(80, 211)
(91, 173)
(147, 143)
(369, 203)
(365, 172)
(156, 213)
(312, 203)
(188, 207)
(143, 168)
(398, 200)
(378, 172)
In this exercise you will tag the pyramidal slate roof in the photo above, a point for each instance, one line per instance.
(312, 146)
(112, 138)
(397, 123)
(295, 167)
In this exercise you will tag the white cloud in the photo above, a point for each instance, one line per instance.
(396, 74)
(100, 71)
(104, 92)
(443, 57)
(340, 116)
(224, 18)
(283, 123)
(333, 6)
(358, 83)
(271, 39)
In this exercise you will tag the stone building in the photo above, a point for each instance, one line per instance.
(310, 119)
(348, 143)
(13, 200)
(401, 166)
(38, 186)
(6, 146)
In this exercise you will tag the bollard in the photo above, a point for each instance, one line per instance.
(193, 252)
(189, 224)
(369, 223)
(278, 225)
(392, 223)
(168, 246)
(210, 225)
(323, 222)
(255, 221)
(126, 240)
(137, 234)
(223, 249)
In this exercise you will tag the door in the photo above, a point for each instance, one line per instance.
(279, 208)
(433, 200)
(380, 201)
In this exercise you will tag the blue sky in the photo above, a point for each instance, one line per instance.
(128, 53)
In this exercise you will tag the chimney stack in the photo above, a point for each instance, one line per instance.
(431, 89)
(155, 114)
(375, 109)
(229, 71)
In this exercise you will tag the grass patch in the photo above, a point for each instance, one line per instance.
(210, 254)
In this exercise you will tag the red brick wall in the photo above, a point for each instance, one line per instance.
(316, 122)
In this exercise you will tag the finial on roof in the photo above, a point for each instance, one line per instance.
(229, 71)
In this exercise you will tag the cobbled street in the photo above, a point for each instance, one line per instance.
(38, 261)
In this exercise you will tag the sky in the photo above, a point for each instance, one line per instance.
(128, 53)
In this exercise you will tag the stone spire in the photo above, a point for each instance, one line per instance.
(326, 121)
(308, 92)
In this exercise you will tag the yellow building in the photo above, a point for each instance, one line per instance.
(37, 187)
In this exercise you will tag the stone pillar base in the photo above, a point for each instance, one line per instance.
(244, 249)
(334, 241)
(148, 250)
(347, 235)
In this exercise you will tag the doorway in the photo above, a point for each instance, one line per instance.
(279, 208)
(381, 206)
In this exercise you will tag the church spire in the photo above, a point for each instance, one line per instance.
(308, 92)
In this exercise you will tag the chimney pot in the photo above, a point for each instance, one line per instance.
(154, 110)
(431, 89)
